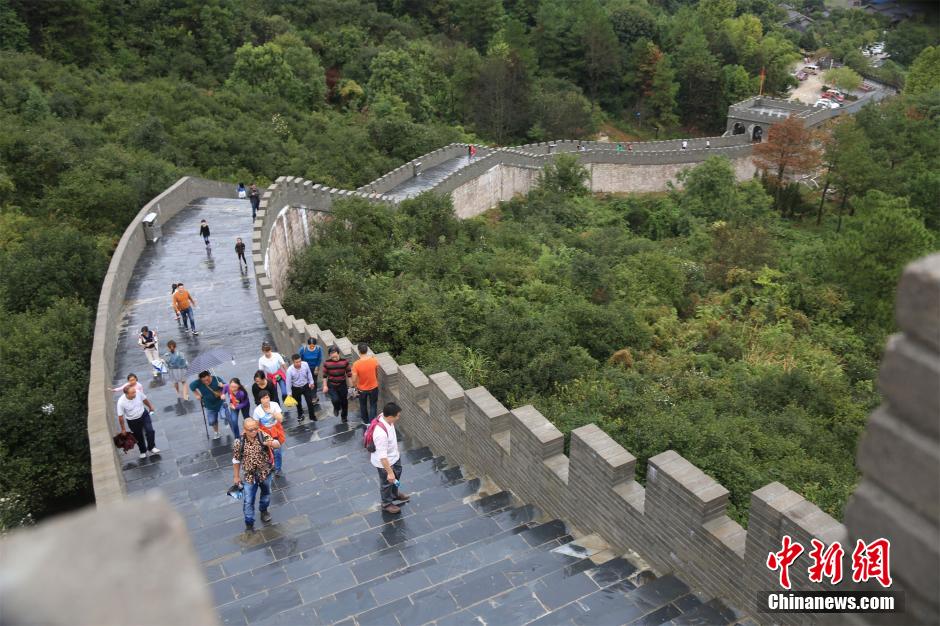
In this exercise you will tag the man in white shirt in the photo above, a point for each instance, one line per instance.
(386, 458)
(132, 411)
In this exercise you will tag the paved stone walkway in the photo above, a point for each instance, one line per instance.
(428, 178)
(461, 552)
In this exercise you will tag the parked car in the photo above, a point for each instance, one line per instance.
(833, 94)
(822, 102)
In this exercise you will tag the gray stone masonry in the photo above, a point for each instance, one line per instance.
(678, 521)
(899, 454)
(125, 563)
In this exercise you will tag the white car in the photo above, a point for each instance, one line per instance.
(823, 102)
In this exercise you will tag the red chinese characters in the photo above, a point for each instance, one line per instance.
(826, 563)
(869, 561)
(783, 559)
(872, 561)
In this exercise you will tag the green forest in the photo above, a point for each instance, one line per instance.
(104, 104)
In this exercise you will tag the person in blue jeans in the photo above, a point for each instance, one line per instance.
(208, 389)
(252, 458)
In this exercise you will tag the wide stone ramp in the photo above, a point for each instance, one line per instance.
(427, 179)
(461, 552)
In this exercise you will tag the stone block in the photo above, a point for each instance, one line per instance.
(534, 434)
(346, 348)
(485, 414)
(908, 379)
(903, 461)
(83, 567)
(598, 458)
(449, 394)
(917, 306)
(915, 552)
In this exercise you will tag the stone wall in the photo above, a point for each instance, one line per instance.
(131, 562)
(678, 521)
(899, 454)
(405, 172)
(102, 422)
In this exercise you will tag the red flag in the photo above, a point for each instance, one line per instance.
(763, 75)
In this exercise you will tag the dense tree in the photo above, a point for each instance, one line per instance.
(601, 51)
(869, 256)
(501, 96)
(656, 82)
(844, 78)
(285, 67)
(906, 41)
(790, 149)
(559, 109)
(699, 76)
(476, 22)
(925, 72)
(854, 169)
(632, 21)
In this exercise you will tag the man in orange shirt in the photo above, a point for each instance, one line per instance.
(365, 378)
(183, 302)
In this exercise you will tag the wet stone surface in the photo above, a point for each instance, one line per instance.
(455, 555)
(428, 178)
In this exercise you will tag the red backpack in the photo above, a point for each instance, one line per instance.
(367, 441)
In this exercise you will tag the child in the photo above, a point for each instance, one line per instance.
(204, 231)
(147, 339)
(240, 251)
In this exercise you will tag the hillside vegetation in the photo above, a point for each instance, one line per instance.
(697, 320)
(103, 104)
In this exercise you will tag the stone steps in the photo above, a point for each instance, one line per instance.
(454, 556)
(457, 554)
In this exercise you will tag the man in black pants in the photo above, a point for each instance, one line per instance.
(302, 386)
(132, 409)
(336, 374)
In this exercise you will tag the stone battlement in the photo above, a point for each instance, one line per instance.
(678, 521)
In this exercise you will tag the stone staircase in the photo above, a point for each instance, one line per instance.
(461, 552)
(427, 178)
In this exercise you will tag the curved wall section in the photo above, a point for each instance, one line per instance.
(677, 522)
(106, 472)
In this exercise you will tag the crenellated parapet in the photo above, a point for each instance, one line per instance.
(678, 520)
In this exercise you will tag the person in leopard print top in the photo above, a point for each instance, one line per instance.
(252, 469)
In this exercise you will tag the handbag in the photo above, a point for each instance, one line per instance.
(125, 441)
(290, 402)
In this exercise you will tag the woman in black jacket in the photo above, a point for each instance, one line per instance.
(263, 384)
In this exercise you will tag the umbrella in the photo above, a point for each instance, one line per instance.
(208, 360)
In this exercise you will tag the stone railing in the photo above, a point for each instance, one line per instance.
(106, 472)
(678, 521)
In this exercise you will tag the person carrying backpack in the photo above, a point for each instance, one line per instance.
(382, 441)
(252, 461)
